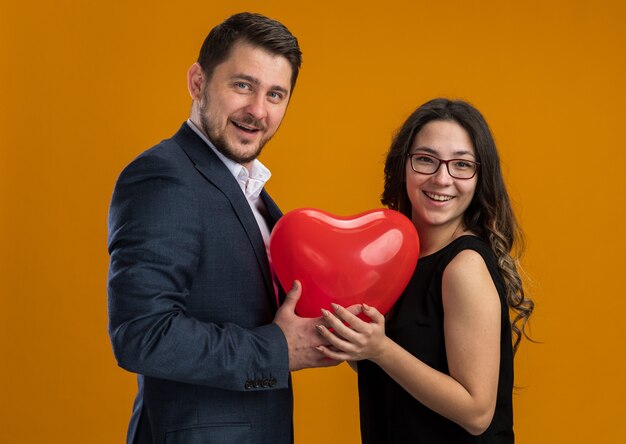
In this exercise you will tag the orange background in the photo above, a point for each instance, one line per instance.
(85, 88)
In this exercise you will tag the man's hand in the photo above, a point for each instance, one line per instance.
(301, 334)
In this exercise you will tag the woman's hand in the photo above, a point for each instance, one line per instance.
(358, 339)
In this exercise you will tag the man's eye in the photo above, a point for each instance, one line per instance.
(275, 96)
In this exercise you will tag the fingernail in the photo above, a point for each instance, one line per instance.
(365, 306)
(319, 328)
(325, 312)
(335, 306)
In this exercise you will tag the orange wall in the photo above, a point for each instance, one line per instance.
(85, 88)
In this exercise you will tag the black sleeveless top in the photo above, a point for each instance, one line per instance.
(391, 415)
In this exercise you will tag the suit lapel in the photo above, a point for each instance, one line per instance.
(214, 170)
(274, 214)
(272, 209)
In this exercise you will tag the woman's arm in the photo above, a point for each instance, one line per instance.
(472, 334)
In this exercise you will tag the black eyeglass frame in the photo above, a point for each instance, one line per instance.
(446, 162)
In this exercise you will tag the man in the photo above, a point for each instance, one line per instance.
(193, 304)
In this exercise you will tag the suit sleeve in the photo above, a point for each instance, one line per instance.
(154, 250)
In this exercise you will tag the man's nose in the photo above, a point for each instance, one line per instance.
(257, 106)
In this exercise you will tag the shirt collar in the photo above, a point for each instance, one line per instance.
(251, 182)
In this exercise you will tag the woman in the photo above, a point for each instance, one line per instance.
(440, 369)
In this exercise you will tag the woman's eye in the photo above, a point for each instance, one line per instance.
(462, 165)
(423, 159)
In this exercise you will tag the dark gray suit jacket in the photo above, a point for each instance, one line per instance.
(191, 302)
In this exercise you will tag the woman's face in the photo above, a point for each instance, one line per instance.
(439, 200)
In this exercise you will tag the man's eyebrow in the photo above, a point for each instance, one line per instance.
(247, 78)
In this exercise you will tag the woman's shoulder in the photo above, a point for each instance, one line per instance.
(468, 279)
(467, 255)
(466, 264)
(470, 260)
(469, 246)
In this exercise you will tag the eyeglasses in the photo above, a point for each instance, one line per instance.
(457, 168)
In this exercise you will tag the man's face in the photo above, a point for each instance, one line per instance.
(244, 101)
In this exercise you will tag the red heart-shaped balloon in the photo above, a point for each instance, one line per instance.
(368, 258)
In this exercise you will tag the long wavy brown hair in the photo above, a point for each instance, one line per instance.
(489, 215)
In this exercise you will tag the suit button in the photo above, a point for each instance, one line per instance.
(248, 384)
(257, 383)
(265, 383)
(272, 382)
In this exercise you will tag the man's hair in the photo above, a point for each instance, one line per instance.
(255, 29)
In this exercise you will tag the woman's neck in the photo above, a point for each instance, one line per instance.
(433, 239)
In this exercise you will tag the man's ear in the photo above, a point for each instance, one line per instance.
(195, 82)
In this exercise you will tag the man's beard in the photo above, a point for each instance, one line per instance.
(220, 142)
